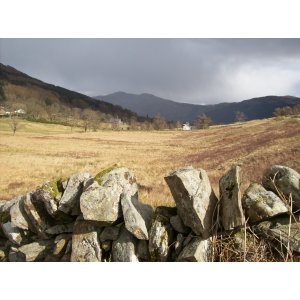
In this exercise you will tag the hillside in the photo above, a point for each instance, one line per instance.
(147, 104)
(51, 150)
(20, 89)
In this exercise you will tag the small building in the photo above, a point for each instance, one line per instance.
(20, 112)
(2, 111)
(186, 126)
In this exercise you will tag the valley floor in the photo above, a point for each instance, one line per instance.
(40, 152)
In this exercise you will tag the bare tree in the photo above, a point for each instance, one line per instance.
(14, 124)
(178, 125)
(159, 122)
(240, 116)
(203, 122)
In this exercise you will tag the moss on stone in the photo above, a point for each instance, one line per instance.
(53, 187)
(4, 217)
(103, 172)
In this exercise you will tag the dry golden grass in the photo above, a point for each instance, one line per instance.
(39, 152)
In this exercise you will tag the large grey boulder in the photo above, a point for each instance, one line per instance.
(39, 218)
(36, 251)
(282, 230)
(137, 216)
(19, 218)
(85, 242)
(198, 250)
(232, 214)
(101, 200)
(195, 199)
(260, 204)
(69, 202)
(283, 180)
(124, 248)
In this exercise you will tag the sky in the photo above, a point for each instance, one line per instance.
(199, 71)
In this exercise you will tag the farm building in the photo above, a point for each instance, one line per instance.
(186, 126)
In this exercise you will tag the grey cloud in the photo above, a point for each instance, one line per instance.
(188, 70)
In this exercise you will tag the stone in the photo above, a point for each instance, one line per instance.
(123, 249)
(61, 242)
(69, 202)
(231, 210)
(195, 200)
(260, 204)
(36, 251)
(12, 233)
(137, 216)
(19, 218)
(198, 250)
(106, 246)
(61, 228)
(178, 225)
(67, 255)
(179, 243)
(5, 207)
(39, 218)
(283, 180)
(110, 233)
(85, 242)
(101, 200)
(3, 257)
(142, 250)
(159, 238)
(51, 204)
(281, 230)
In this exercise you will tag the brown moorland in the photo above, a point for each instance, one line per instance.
(39, 152)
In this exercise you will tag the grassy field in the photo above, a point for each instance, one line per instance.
(39, 152)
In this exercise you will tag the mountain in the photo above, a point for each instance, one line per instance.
(18, 87)
(147, 104)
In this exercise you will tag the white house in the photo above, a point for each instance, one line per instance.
(186, 126)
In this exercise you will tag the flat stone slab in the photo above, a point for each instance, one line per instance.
(260, 204)
(195, 199)
(69, 202)
(137, 216)
(36, 251)
(19, 217)
(232, 214)
(38, 216)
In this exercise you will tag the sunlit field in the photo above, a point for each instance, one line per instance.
(40, 152)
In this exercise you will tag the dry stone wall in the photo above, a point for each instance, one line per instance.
(100, 219)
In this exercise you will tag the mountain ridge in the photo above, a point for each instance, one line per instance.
(19, 86)
(146, 104)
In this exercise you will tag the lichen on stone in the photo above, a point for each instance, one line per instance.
(53, 187)
(103, 172)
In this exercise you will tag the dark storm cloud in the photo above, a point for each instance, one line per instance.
(188, 70)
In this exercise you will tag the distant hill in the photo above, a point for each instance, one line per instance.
(147, 104)
(16, 86)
